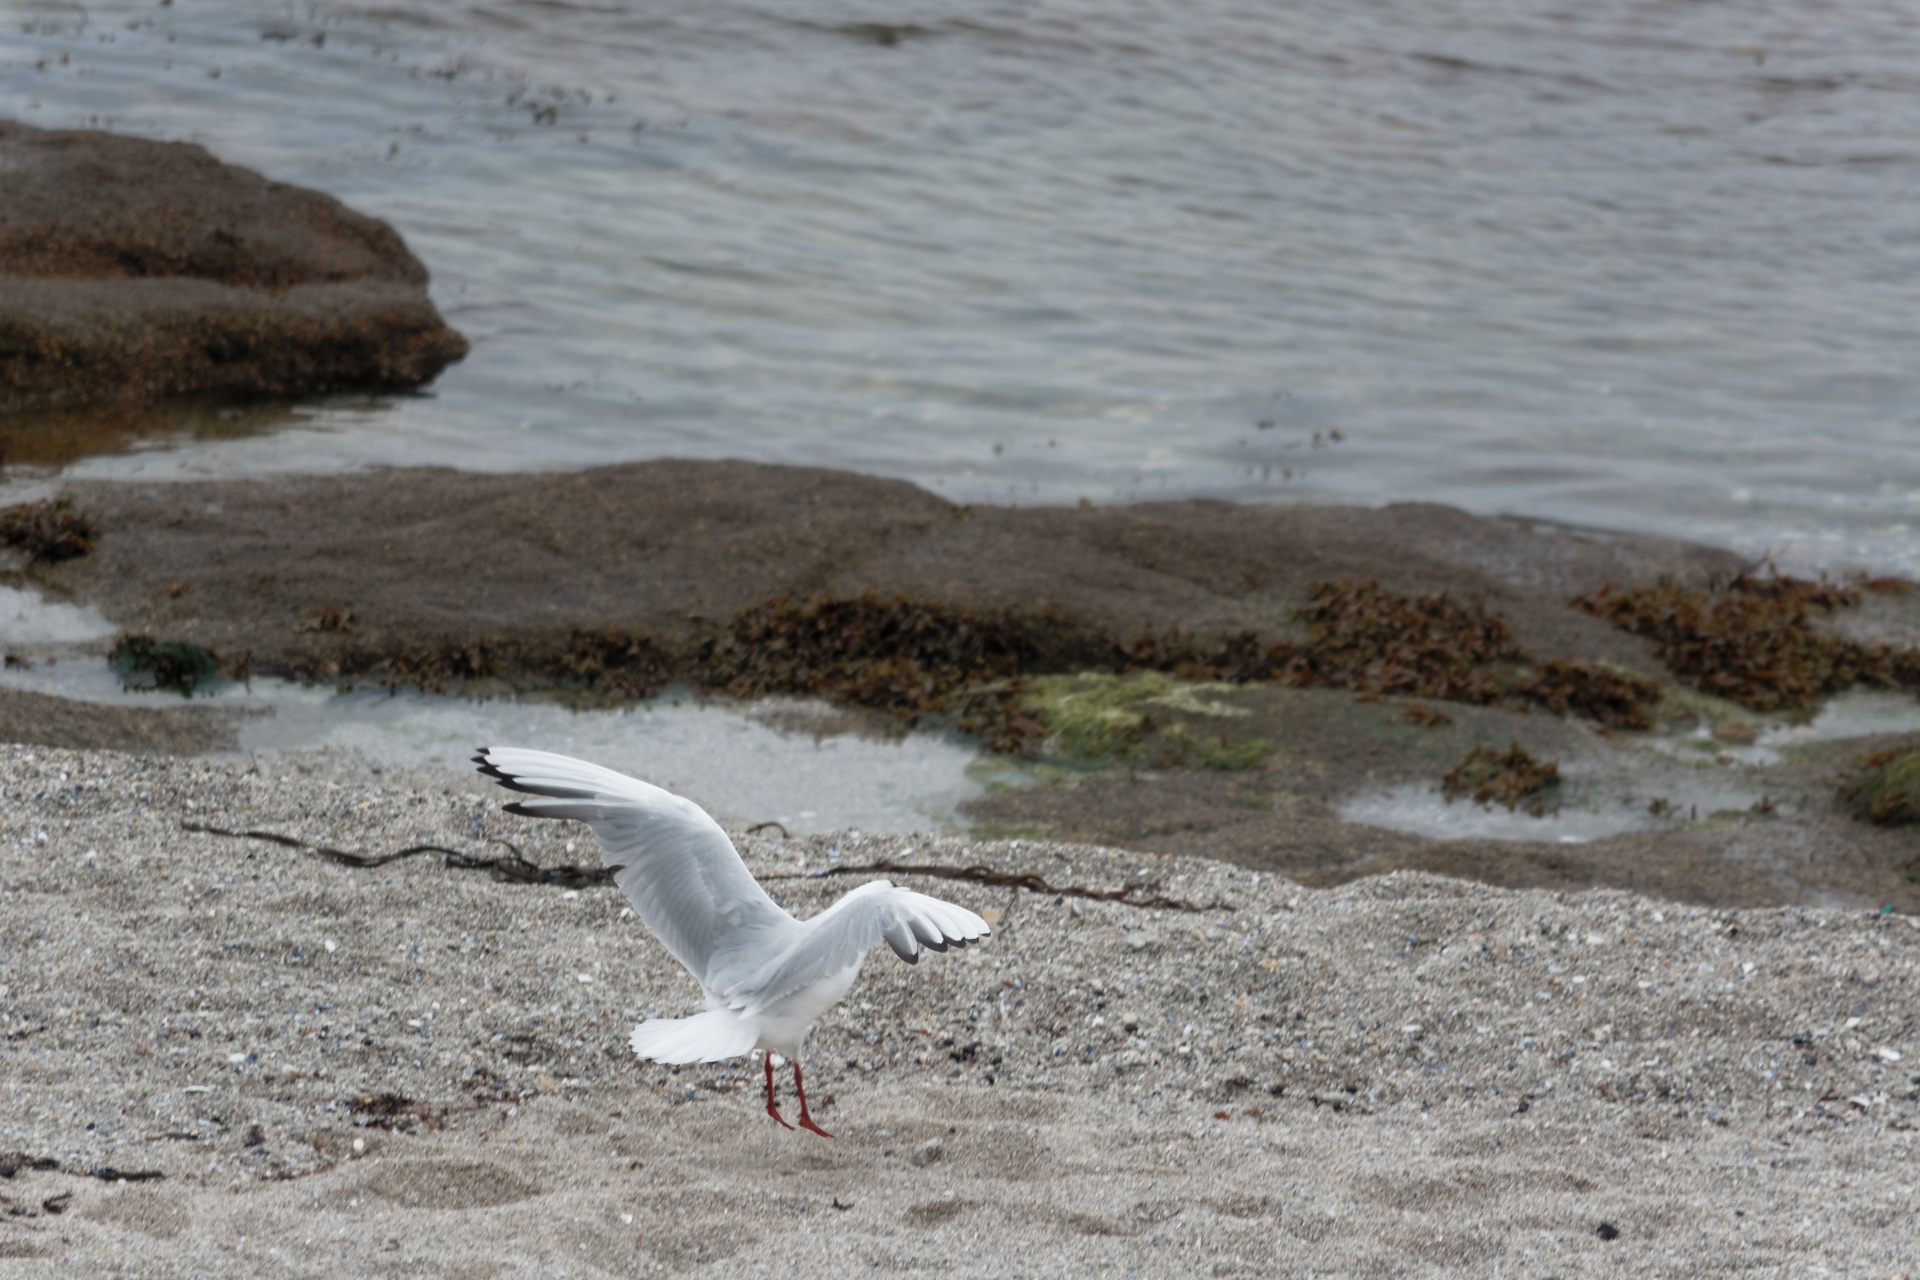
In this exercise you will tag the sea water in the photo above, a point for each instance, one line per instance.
(1649, 266)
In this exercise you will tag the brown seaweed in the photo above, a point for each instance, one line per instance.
(1363, 637)
(1594, 693)
(1751, 640)
(1511, 777)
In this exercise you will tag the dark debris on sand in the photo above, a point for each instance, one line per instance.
(49, 530)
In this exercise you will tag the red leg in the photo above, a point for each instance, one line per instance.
(806, 1121)
(771, 1109)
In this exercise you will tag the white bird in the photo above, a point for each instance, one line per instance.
(767, 976)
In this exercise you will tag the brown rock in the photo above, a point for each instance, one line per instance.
(133, 270)
(673, 548)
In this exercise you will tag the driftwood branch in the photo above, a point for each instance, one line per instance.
(511, 868)
(1134, 893)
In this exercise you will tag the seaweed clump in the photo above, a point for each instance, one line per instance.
(1887, 791)
(1609, 698)
(49, 530)
(1363, 637)
(1510, 777)
(607, 661)
(171, 666)
(1378, 642)
(904, 657)
(1751, 640)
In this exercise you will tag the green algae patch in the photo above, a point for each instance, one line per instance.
(1233, 755)
(1887, 792)
(1097, 716)
(1511, 777)
(1751, 640)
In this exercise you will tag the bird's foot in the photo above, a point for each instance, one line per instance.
(775, 1113)
(800, 1090)
(773, 1110)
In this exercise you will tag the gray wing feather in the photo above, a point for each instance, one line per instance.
(674, 863)
(834, 940)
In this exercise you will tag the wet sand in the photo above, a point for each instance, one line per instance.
(40, 720)
(422, 1070)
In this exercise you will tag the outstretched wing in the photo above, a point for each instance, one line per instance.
(833, 941)
(670, 858)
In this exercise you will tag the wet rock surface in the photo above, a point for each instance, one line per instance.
(132, 271)
(672, 549)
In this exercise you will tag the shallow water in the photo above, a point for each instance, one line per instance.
(1640, 265)
(1608, 793)
(721, 755)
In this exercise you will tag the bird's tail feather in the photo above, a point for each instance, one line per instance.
(705, 1037)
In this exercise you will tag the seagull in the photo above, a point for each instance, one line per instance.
(767, 976)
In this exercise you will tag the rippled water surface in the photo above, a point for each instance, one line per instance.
(1639, 264)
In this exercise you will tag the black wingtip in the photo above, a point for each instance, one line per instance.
(490, 770)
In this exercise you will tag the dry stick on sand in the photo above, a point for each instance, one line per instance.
(518, 870)
(512, 868)
(12, 1162)
(1127, 894)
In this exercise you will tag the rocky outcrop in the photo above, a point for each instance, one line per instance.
(132, 271)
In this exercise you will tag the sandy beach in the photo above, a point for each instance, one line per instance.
(272, 1064)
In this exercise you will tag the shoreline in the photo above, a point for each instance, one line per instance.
(650, 561)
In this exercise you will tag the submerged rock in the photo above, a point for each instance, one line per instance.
(133, 270)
